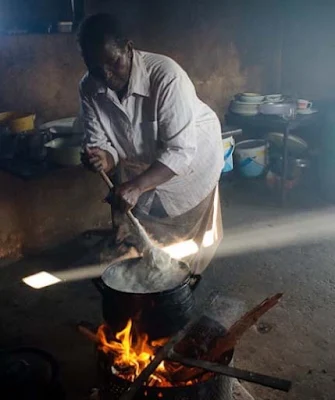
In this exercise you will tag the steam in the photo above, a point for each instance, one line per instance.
(155, 272)
(136, 276)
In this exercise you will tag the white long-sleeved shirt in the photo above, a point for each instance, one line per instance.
(160, 118)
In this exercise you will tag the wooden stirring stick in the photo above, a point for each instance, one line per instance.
(139, 228)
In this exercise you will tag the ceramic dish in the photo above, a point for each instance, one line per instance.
(241, 108)
(253, 98)
(274, 98)
(307, 111)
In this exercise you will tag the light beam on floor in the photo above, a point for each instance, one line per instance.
(40, 280)
(297, 229)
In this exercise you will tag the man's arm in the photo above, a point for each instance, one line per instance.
(177, 130)
(98, 151)
(154, 176)
(178, 136)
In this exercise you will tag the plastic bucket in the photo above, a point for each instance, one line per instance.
(251, 157)
(228, 150)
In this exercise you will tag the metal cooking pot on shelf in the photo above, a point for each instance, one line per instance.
(65, 150)
(294, 166)
(284, 109)
(159, 314)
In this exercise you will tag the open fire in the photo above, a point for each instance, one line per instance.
(193, 364)
(131, 353)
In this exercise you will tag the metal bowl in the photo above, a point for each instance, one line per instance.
(282, 109)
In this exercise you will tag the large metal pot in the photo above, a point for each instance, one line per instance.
(159, 314)
(65, 151)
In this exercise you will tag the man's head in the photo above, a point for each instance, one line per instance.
(106, 51)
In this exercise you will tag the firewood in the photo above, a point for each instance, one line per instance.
(221, 345)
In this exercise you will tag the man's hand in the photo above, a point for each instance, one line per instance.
(154, 176)
(98, 159)
(129, 193)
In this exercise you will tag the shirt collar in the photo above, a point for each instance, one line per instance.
(139, 81)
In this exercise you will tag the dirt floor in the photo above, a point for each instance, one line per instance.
(295, 340)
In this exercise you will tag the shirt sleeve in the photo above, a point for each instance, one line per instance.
(176, 125)
(94, 134)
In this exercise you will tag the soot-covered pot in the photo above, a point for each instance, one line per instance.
(159, 314)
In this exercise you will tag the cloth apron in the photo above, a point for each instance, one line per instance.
(200, 227)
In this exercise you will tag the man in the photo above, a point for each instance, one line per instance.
(143, 119)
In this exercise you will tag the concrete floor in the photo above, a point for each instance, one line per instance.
(299, 341)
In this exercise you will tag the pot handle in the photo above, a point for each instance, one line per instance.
(99, 284)
(194, 281)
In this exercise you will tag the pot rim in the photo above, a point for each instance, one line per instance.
(185, 282)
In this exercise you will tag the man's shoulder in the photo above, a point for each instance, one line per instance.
(87, 85)
(161, 67)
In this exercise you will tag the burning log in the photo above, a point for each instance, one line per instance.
(129, 354)
(221, 345)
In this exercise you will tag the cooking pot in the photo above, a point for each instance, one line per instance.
(65, 151)
(294, 166)
(280, 109)
(159, 314)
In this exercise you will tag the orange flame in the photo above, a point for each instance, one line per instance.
(132, 354)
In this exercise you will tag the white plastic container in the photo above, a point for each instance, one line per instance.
(250, 157)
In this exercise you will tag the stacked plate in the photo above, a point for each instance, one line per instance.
(246, 104)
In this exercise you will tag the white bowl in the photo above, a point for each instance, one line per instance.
(59, 125)
(274, 98)
(239, 107)
(251, 98)
(244, 104)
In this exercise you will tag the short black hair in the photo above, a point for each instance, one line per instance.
(97, 28)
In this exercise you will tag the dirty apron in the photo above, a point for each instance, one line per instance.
(198, 232)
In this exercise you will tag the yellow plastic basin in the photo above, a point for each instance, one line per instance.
(22, 123)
